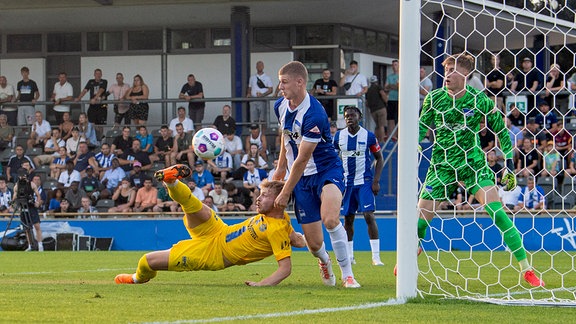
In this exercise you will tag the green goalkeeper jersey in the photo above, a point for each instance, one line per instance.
(457, 124)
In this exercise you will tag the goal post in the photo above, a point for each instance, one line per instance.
(465, 255)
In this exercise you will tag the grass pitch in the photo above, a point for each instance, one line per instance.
(78, 287)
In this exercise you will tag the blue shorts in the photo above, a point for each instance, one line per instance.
(358, 199)
(308, 191)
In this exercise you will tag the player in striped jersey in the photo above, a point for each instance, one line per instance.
(357, 145)
(316, 174)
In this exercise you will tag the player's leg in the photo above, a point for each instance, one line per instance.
(331, 198)
(366, 204)
(349, 207)
(195, 212)
(374, 238)
(148, 265)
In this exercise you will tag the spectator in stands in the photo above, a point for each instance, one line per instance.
(240, 195)
(546, 118)
(74, 195)
(97, 112)
(90, 184)
(197, 192)
(234, 147)
(517, 118)
(187, 123)
(6, 196)
(146, 139)
(124, 197)
(59, 163)
(554, 84)
(137, 176)
(495, 81)
(27, 92)
(118, 92)
(66, 126)
(231, 206)
(219, 196)
(225, 123)
(252, 180)
(570, 170)
(130, 157)
(510, 198)
(376, 99)
(87, 210)
(209, 202)
(73, 142)
(6, 133)
(204, 179)
(122, 142)
(487, 137)
(65, 207)
(275, 166)
(104, 159)
(257, 137)
(112, 178)
(26, 165)
(494, 165)
(563, 144)
(43, 199)
(535, 134)
(164, 202)
(254, 155)
(221, 166)
(62, 92)
(87, 131)
(146, 197)
(7, 96)
(182, 149)
(58, 195)
(15, 163)
(259, 85)
(456, 201)
(138, 94)
(532, 197)
(193, 90)
(528, 159)
(51, 149)
(333, 128)
(84, 158)
(323, 89)
(40, 131)
(163, 147)
(551, 161)
(516, 135)
(527, 80)
(68, 176)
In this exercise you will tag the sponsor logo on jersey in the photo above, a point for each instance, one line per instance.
(429, 188)
(468, 112)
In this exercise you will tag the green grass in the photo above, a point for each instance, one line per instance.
(78, 287)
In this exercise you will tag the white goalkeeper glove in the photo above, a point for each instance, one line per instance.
(509, 177)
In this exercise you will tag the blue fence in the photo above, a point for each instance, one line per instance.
(547, 233)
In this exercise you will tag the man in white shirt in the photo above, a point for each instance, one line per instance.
(62, 92)
(259, 85)
(40, 131)
(234, 147)
(70, 175)
(7, 95)
(51, 148)
(186, 122)
(358, 82)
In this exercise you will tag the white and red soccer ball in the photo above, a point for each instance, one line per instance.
(208, 143)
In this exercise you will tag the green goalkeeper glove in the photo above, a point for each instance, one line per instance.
(509, 177)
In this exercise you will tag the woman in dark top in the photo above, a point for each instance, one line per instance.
(123, 197)
(138, 110)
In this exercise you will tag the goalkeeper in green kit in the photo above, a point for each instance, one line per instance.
(456, 111)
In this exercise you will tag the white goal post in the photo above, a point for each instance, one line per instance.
(464, 253)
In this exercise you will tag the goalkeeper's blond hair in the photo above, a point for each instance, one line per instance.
(463, 59)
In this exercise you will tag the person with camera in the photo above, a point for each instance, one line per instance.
(28, 206)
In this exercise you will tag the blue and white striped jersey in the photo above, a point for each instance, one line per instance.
(356, 152)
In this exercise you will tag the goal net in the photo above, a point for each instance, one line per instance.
(464, 253)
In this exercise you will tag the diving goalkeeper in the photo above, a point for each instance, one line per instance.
(456, 110)
(215, 245)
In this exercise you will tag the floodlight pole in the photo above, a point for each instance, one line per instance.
(409, 80)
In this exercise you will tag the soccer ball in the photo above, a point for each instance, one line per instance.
(208, 143)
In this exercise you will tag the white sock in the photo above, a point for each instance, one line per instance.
(351, 250)
(375, 247)
(339, 244)
(321, 254)
(40, 246)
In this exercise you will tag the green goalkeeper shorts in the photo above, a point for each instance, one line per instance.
(442, 179)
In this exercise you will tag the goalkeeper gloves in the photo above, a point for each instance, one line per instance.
(509, 177)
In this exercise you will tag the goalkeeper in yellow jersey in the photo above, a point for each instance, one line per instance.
(215, 245)
(456, 110)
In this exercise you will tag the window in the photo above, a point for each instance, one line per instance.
(315, 35)
(104, 41)
(221, 37)
(24, 43)
(189, 38)
(275, 37)
(64, 42)
(145, 40)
